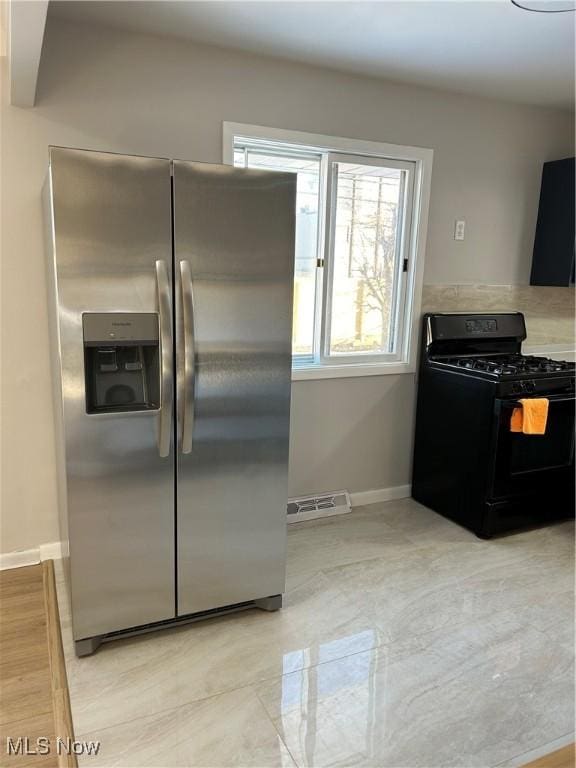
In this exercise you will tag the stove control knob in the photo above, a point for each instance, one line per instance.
(530, 386)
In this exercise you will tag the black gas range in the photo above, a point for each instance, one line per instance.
(468, 465)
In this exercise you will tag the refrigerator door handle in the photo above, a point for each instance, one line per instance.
(188, 322)
(166, 365)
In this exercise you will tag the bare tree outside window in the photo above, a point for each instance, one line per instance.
(365, 244)
(376, 275)
(349, 288)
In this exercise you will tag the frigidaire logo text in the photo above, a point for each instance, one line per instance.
(118, 322)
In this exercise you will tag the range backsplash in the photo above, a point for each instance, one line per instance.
(549, 312)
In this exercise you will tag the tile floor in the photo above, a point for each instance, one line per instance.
(405, 641)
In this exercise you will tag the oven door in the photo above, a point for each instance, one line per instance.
(528, 464)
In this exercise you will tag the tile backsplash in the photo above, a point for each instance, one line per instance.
(549, 312)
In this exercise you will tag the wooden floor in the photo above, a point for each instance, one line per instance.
(33, 692)
(561, 758)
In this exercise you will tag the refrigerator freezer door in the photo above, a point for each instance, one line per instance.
(112, 250)
(234, 267)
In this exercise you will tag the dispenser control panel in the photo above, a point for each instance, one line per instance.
(120, 328)
(121, 361)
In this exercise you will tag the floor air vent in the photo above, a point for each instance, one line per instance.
(311, 507)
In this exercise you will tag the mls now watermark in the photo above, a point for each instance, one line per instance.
(23, 745)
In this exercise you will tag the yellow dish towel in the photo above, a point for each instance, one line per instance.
(531, 418)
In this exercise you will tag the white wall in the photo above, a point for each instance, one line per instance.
(109, 90)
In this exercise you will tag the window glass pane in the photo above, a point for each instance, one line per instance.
(239, 157)
(368, 207)
(308, 186)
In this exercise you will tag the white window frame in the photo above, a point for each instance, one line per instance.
(418, 161)
(381, 358)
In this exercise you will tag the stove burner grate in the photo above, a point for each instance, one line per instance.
(510, 365)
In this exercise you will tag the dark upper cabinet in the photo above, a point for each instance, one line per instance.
(553, 259)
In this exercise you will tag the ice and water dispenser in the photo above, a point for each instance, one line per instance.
(121, 361)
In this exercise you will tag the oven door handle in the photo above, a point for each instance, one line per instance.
(550, 398)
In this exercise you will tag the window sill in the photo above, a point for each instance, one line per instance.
(351, 371)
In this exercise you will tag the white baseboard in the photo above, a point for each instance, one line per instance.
(54, 550)
(20, 558)
(360, 498)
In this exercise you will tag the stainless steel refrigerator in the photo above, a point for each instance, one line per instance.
(172, 312)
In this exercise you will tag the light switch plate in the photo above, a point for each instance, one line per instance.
(459, 227)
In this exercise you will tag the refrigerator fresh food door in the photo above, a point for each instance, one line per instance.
(234, 265)
(109, 222)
